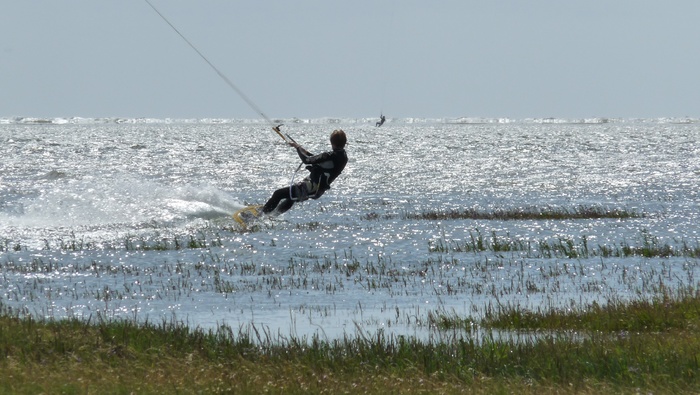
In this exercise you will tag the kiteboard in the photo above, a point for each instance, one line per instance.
(248, 215)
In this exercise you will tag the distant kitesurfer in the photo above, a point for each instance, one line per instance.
(323, 168)
(381, 121)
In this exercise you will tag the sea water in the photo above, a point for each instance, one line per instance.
(130, 219)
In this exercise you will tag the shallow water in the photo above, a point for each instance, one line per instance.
(131, 218)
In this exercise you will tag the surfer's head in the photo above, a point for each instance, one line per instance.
(338, 139)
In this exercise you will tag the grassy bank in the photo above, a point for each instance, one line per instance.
(624, 348)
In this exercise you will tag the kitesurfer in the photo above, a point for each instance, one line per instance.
(381, 121)
(323, 168)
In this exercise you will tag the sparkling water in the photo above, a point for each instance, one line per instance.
(131, 218)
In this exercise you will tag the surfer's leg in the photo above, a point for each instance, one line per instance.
(281, 201)
(285, 205)
(275, 199)
(299, 193)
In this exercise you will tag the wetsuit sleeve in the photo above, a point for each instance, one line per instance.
(303, 154)
(310, 159)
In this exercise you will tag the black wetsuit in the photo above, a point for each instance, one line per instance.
(323, 168)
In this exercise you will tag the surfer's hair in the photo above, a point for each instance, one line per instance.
(338, 139)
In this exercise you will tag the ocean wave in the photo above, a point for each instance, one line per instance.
(333, 120)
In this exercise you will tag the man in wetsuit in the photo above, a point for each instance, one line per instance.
(323, 168)
(381, 121)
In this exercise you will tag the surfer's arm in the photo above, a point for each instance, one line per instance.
(303, 154)
(323, 160)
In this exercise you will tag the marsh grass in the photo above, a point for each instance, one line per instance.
(133, 243)
(660, 314)
(98, 356)
(10, 245)
(200, 240)
(520, 213)
(646, 245)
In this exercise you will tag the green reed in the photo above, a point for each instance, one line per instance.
(647, 245)
(10, 245)
(664, 312)
(122, 356)
(512, 214)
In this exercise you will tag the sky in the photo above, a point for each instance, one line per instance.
(351, 59)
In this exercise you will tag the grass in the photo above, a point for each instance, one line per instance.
(556, 274)
(648, 347)
(656, 315)
(128, 243)
(640, 346)
(520, 213)
(647, 245)
(203, 241)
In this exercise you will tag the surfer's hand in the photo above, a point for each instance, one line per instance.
(293, 144)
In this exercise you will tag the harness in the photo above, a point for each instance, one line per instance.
(315, 187)
(303, 189)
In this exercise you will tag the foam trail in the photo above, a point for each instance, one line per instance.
(108, 203)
